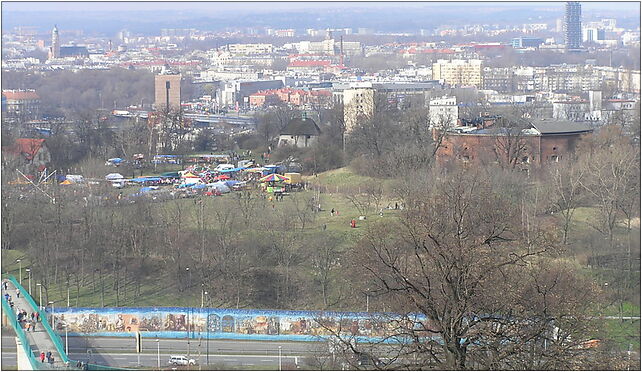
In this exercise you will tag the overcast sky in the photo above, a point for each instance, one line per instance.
(72, 6)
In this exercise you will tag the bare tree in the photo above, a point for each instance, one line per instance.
(486, 298)
(566, 191)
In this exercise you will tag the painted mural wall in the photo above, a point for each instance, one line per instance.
(176, 322)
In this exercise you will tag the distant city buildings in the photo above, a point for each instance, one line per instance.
(443, 112)
(526, 42)
(54, 50)
(20, 103)
(458, 72)
(250, 49)
(358, 104)
(573, 25)
(167, 92)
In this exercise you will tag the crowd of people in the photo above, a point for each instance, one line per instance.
(27, 321)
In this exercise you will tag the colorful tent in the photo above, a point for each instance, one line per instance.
(66, 182)
(190, 175)
(221, 177)
(273, 178)
(114, 176)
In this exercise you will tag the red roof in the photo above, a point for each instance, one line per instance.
(321, 93)
(20, 95)
(28, 147)
(309, 63)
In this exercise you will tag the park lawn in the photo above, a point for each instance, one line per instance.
(342, 177)
(9, 264)
(154, 291)
(624, 333)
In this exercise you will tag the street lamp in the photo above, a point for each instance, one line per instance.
(280, 365)
(189, 277)
(39, 295)
(207, 324)
(20, 263)
(67, 282)
(367, 300)
(158, 354)
(53, 316)
(29, 273)
(66, 338)
(202, 296)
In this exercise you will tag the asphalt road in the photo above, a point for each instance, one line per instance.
(121, 352)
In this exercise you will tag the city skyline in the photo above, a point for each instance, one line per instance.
(105, 18)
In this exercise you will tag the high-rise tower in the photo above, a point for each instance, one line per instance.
(573, 25)
(54, 50)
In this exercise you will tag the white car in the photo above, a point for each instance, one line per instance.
(178, 360)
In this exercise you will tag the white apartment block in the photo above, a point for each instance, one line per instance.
(250, 49)
(458, 72)
(443, 111)
(357, 103)
(329, 47)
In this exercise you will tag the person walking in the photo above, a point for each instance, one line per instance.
(33, 326)
(5, 285)
(42, 357)
(48, 355)
(28, 326)
(18, 292)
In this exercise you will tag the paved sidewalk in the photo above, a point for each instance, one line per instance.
(39, 339)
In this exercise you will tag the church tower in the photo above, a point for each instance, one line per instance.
(54, 50)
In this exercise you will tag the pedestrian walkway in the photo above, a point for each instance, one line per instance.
(39, 340)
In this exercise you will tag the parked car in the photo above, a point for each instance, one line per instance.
(179, 360)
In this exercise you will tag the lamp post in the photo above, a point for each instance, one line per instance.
(280, 365)
(189, 277)
(39, 295)
(29, 274)
(367, 300)
(158, 351)
(53, 316)
(188, 336)
(207, 324)
(20, 263)
(66, 338)
(67, 282)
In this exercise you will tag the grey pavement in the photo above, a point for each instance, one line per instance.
(120, 351)
(39, 340)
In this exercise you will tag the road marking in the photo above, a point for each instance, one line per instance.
(230, 360)
(266, 360)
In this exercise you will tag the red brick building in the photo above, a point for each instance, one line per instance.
(29, 155)
(295, 97)
(542, 143)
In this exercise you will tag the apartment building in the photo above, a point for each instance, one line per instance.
(458, 72)
(443, 112)
(357, 103)
(501, 80)
(167, 91)
(250, 49)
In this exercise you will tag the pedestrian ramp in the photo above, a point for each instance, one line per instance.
(30, 344)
